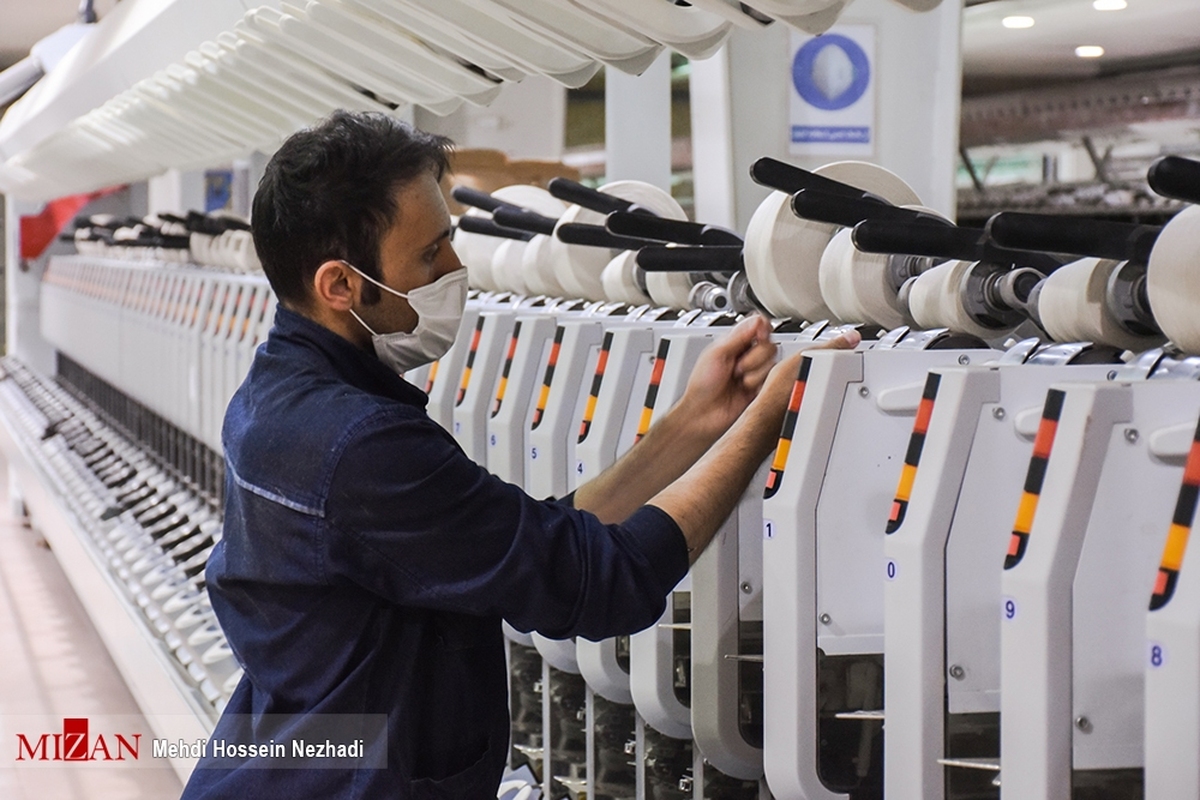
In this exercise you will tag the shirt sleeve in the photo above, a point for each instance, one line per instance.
(414, 520)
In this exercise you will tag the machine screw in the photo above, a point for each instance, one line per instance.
(746, 587)
(864, 391)
(1084, 724)
(964, 359)
(998, 412)
(957, 672)
(1131, 435)
(1112, 375)
(826, 619)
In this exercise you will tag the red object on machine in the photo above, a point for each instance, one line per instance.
(38, 231)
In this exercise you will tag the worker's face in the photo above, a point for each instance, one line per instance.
(415, 251)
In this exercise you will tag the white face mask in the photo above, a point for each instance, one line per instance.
(439, 307)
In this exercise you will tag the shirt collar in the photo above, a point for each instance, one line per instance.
(357, 366)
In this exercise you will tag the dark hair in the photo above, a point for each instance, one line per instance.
(329, 193)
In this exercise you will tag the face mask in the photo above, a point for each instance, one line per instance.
(439, 307)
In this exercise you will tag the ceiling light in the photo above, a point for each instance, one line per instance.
(1089, 51)
(1018, 22)
(1109, 5)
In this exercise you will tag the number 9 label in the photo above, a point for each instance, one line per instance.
(1009, 609)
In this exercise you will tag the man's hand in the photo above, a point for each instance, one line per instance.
(728, 376)
(729, 383)
(707, 493)
(777, 389)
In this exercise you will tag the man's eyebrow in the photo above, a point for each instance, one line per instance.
(436, 239)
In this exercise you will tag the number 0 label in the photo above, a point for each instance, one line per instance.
(890, 570)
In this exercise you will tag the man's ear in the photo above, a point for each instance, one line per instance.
(335, 286)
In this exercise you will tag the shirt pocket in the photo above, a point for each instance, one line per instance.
(479, 780)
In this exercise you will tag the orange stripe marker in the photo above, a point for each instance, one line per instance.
(1180, 530)
(1042, 445)
(779, 463)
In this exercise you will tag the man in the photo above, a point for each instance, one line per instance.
(367, 563)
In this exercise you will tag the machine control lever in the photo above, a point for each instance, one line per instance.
(837, 209)
(523, 219)
(787, 178)
(1176, 177)
(476, 199)
(944, 241)
(1121, 241)
(570, 191)
(669, 230)
(709, 258)
(487, 227)
(596, 236)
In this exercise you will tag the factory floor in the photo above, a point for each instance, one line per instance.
(54, 665)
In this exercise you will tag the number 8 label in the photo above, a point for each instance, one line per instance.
(1158, 655)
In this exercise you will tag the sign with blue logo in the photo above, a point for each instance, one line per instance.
(833, 92)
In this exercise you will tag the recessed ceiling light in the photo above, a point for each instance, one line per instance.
(1017, 22)
(1089, 51)
(1109, 5)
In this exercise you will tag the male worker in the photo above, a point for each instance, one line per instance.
(367, 563)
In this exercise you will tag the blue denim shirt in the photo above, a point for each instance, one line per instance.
(366, 566)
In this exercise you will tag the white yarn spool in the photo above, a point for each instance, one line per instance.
(577, 267)
(507, 266)
(619, 279)
(783, 252)
(1173, 280)
(1072, 308)
(936, 302)
(856, 286)
(537, 268)
(477, 251)
(672, 289)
